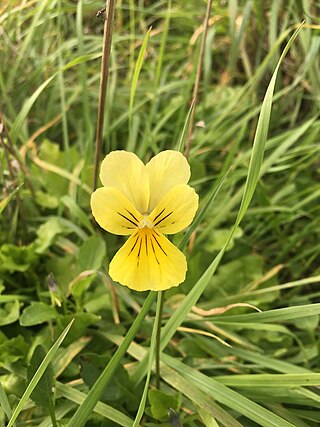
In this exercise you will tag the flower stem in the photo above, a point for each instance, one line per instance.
(161, 296)
(154, 351)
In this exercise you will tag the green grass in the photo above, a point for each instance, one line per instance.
(255, 164)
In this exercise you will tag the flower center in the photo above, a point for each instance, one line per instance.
(145, 222)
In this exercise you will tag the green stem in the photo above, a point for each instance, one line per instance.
(161, 296)
(154, 350)
(52, 414)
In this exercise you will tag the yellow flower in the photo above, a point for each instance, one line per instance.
(145, 202)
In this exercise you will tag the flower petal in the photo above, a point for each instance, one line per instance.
(148, 261)
(126, 172)
(176, 210)
(166, 170)
(114, 212)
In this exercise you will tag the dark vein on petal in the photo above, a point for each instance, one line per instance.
(160, 220)
(134, 245)
(128, 219)
(130, 213)
(154, 252)
(139, 252)
(159, 245)
(159, 214)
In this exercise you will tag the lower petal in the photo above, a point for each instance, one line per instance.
(148, 261)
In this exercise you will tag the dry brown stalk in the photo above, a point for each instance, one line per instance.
(107, 38)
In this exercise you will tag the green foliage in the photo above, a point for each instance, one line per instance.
(12, 350)
(92, 253)
(16, 258)
(37, 313)
(161, 404)
(9, 312)
(249, 163)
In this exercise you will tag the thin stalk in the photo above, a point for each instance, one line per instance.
(16, 154)
(195, 93)
(161, 297)
(153, 351)
(107, 38)
(83, 81)
(5, 187)
(65, 131)
(11, 173)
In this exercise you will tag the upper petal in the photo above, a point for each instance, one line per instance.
(114, 212)
(166, 170)
(148, 261)
(176, 210)
(126, 172)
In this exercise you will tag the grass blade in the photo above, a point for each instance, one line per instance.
(271, 380)
(103, 409)
(203, 212)
(226, 396)
(137, 70)
(4, 203)
(278, 315)
(4, 403)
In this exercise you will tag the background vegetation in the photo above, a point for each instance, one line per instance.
(223, 365)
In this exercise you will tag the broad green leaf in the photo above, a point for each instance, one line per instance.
(16, 258)
(161, 403)
(9, 312)
(92, 253)
(42, 394)
(47, 233)
(46, 200)
(37, 313)
(12, 350)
